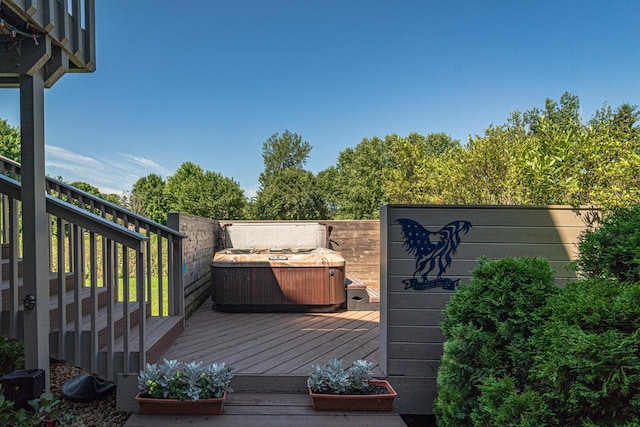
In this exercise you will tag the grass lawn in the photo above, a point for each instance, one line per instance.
(155, 307)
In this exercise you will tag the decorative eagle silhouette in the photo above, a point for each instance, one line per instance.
(432, 248)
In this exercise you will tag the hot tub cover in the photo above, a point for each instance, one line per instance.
(276, 257)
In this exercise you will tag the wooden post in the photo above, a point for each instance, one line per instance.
(35, 222)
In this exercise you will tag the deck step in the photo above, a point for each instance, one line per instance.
(160, 334)
(271, 409)
(360, 297)
(374, 295)
(53, 287)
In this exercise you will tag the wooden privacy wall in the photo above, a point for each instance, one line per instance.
(419, 237)
(201, 242)
(359, 244)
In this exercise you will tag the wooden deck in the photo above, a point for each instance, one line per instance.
(277, 344)
(272, 354)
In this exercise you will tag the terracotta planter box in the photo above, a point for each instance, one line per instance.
(151, 406)
(355, 402)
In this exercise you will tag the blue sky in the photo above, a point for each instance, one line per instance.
(209, 81)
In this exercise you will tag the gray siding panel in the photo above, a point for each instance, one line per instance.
(411, 337)
(419, 351)
(400, 269)
(420, 333)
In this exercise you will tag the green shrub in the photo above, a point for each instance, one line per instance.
(501, 403)
(522, 352)
(11, 355)
(46, 412)
(488, 325)
(612, 250)
(587, 362)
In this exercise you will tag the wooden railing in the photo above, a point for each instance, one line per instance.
(114, 258)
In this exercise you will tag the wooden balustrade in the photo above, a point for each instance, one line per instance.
(103, 281)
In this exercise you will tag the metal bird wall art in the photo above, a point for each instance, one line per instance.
(432, 250)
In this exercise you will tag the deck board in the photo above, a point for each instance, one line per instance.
(326, 342)
(277, 343)
(298, 342)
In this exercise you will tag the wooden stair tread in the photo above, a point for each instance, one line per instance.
(102, 317)
(271, 409)
(155, 327)
(374, 294)
(4, 285)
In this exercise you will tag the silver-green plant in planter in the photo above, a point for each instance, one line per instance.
(175, 380)
(360, 372)
(332, 378)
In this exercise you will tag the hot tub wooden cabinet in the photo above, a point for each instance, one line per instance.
(270, 280)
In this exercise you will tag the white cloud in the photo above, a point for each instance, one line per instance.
(110, 175)
(145, 163)
(71, 157)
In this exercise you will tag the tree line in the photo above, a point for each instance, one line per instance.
(543, 156)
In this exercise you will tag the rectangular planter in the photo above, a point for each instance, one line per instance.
(151, 406)
(355, 402)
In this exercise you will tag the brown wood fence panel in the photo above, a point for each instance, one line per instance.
(359, 244)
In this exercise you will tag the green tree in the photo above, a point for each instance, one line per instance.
(116, 199)
(282, 152)
(204, 193)
(9, 141)
(287, 191)
(566, 114)
(327, 181)
(414, 166)
(625, 121)
(148, 198)
(95, 191)
(549, 156)
(488, 172)
(292, 194)
(86, 187)
(359, 180)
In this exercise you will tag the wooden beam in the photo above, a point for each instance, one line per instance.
(90, 35)
(31, 6)
(23, 56)
(9, 82)
(57, 66)
(76, 29)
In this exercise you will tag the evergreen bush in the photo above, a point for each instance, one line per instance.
(522, 352)
(587, 363)
(612, 250)
(488, 325)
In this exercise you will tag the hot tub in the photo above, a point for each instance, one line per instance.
(287, 279)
